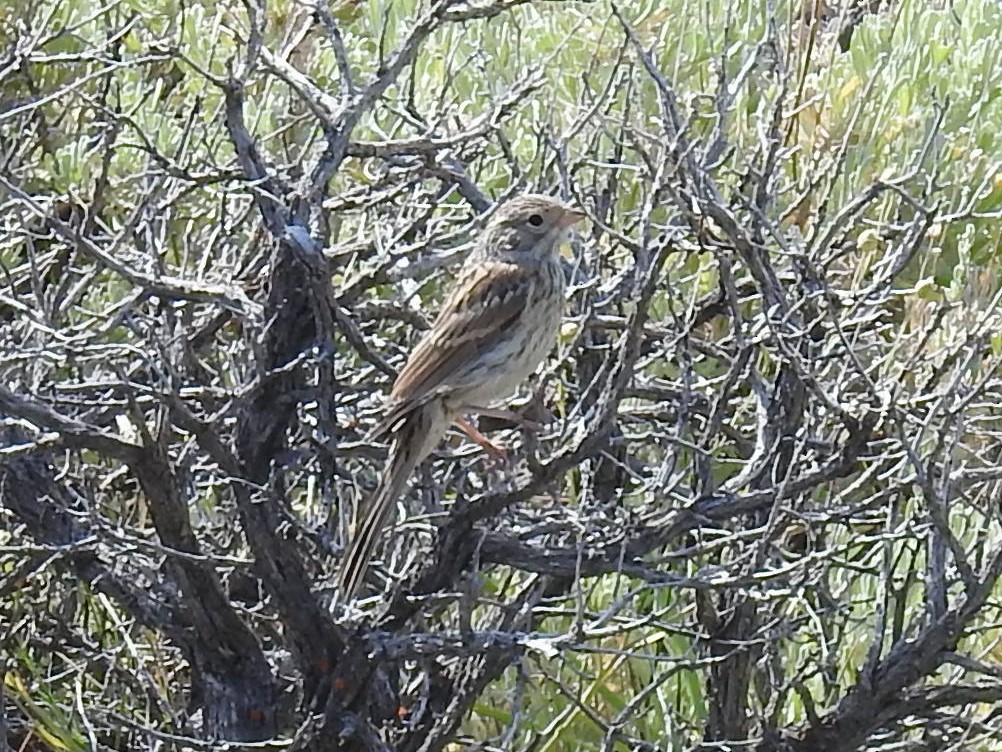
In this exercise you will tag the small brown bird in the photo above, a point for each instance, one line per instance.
(496, 326)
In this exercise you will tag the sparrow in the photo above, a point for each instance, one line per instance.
(498, 323)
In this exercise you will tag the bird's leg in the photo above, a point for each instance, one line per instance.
(501, 414)
(496, 452)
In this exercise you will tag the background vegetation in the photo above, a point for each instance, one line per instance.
(766, 515)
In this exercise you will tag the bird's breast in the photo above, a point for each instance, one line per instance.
(529, 338)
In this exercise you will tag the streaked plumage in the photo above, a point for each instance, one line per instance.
(496, 326)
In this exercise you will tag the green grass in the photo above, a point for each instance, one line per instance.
(871, 109)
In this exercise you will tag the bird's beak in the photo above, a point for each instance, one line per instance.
(571, 217)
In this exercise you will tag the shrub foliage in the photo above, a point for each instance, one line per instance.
(765, 514)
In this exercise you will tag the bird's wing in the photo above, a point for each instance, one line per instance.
(485, 304)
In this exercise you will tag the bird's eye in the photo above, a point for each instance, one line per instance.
(535, 220)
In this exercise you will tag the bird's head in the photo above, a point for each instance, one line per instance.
(529, 227)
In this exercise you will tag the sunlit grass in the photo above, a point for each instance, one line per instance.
(878, 101)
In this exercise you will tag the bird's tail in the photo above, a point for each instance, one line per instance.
(414, 439)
